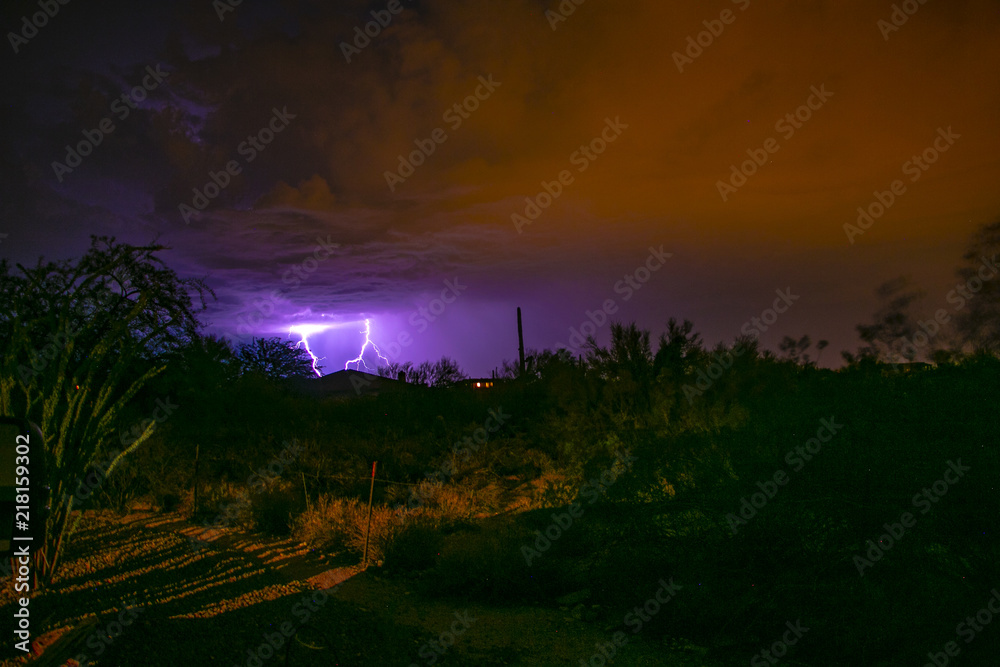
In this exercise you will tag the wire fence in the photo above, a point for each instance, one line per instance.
(366, 478)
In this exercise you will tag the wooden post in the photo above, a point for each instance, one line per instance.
(197, 457)
(368, 530)
(305, 490)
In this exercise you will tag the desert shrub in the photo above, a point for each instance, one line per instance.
(414, 547)
(555, 490)
(168, 502)
(341, 523)
(272, 509)
(453, 502)
(120, 489)
(225, 504)
(447, 500)
(326, 523)
(488, 565)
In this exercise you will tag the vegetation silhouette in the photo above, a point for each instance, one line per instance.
(710, 430)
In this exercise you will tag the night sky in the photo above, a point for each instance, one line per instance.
(629, 125)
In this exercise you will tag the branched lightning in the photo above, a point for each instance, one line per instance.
(360, 361)
(304, 331)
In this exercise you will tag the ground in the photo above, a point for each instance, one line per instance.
(203, 598)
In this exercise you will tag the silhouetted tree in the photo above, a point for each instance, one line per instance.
(440, 373)
(79, 340)
(626, 369)
(275, 359)
(392, 370)
(678, 349)
(893, 323)
(797, 351)
(977, 297)
(444, 372)
(414, 374)
(820, 346)
(628, 357)
(204, 363)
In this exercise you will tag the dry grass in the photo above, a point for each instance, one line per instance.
(225, 503)
(340, 523)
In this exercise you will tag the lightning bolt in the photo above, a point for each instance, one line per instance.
(360, 361)
(304, 331)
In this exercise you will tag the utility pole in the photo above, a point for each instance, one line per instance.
(520, 340)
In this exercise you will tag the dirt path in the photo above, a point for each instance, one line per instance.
(217, 597)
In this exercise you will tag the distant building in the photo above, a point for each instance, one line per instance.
(912, 367)
(478, 383)
(347, 384)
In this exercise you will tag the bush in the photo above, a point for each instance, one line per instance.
(415, 547)
(449, 500)
(339, 523)
(168, 502)
(271, 510)
(324, 524)
(120, 489)
(226, 504)
(488, 565)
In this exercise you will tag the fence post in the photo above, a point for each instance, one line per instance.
(305, 491)
(197, 459)
(368, 530)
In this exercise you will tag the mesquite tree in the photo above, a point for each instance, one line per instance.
(976, 299)
(275, 359)
(78, 340)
